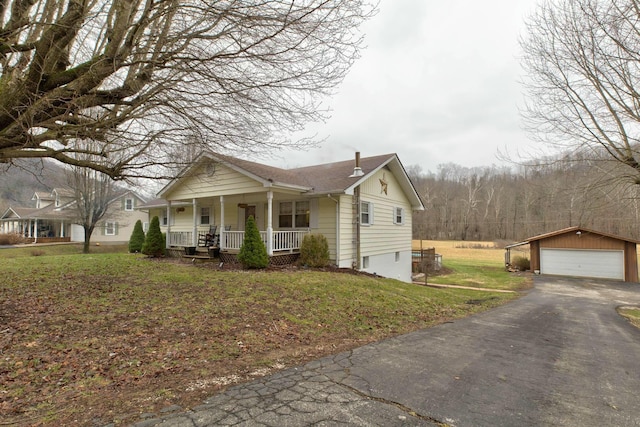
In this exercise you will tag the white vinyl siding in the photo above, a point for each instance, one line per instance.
(323, 221)
(346, 231)
(385, 236)
(224, 182)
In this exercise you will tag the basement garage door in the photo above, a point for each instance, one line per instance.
(583, 263)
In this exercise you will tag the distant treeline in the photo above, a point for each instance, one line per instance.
(511, 204)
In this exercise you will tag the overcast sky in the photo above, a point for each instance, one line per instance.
(437, 83)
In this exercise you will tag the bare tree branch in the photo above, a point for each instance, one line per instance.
(139, 77)
(583, 63)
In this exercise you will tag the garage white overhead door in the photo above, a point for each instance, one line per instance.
(582, 263)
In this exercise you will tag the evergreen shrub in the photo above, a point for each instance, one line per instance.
(314, 251)
(253, 253)
(154, 243)
(137, 238)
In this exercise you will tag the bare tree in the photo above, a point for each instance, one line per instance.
(140, 77)
(93, 191)
(582, 59)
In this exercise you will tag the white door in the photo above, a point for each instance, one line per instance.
(606, 264)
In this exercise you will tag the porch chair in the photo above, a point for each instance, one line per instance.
(209, 238)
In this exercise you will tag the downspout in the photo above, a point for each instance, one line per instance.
(356, 202)
(337, 229)
(355, 210)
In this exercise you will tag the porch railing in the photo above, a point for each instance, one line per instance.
(282, 240)
(181, 238)
(232, 239)
(286, 240)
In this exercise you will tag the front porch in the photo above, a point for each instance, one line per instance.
(282, 217)
(231, 241)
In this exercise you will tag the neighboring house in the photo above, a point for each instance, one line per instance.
(580, 252)
(363, 208)
(54, 218)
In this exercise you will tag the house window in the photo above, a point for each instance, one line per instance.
(110, 228)
(145, 227)
(397, 256)
(366, 213)
(302, 214)
(398, 216)
(205, 215)
(128, 204)
(365, 262)
(285, 219)
(164, 217)
(294, 214)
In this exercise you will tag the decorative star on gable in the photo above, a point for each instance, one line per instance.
(383, 184)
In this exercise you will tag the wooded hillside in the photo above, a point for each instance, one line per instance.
(492, 203)
(19, 180)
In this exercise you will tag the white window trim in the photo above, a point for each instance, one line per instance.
(395, 215)
(209, 215)
(106, 228)
(369, 212)
(126, 208)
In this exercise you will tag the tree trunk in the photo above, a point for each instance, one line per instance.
(88, 231)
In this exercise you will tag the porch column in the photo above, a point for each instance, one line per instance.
(61, 228)
(35, 230)
(30, 225)
(269, 222)
(222, 239)
(168, 242)
(194, 238)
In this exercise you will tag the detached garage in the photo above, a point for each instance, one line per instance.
(580, 252)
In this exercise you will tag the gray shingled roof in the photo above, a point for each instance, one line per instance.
(324, 178)
(333, 177)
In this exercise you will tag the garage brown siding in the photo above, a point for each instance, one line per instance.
(534, 251)
(630, 262)
(579, 238)
(585, 240)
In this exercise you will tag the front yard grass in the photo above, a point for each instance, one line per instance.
(474, 264)
(105, 337)
(632, 314)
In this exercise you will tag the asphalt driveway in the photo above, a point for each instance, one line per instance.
(559, 356)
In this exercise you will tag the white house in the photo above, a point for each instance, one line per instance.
(54, 218)
(362, 207)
